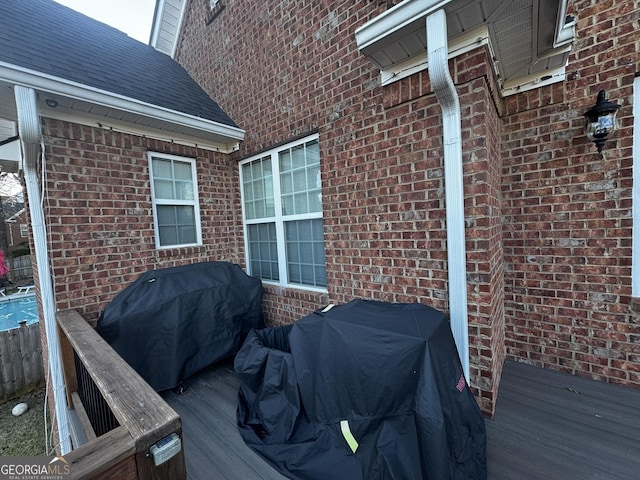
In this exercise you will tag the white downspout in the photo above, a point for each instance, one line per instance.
(445, 90)
(635, 193)
(31, 138)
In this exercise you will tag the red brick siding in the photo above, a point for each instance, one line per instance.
(567, 210)
(99, 212)
(281, 69)
(483, 216)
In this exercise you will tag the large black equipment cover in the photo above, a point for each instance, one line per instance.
(172, 322)
(363, 391)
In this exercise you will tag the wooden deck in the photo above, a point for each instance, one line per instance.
(547, 426)
(213, 447)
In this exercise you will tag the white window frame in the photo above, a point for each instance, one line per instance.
(279, 219)
(195, 203)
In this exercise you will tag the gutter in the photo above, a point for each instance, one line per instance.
(444, 88)
(394, 20)
(77, 91)
(31, 141)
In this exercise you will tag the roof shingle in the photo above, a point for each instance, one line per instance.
(47, 37)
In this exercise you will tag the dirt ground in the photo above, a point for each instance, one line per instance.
(23, 435)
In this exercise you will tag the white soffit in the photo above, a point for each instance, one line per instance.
(529, 40)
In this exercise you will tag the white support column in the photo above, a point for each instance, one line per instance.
(30, 138)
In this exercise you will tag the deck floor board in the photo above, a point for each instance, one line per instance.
(552, 425)
(548, 425)
(214, 449)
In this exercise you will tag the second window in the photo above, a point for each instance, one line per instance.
(282, 212)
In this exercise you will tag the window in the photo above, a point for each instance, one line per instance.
(215, 8)
(174, 193)
(282, 212)
(24, 230)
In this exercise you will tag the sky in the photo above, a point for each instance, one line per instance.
(133, 17)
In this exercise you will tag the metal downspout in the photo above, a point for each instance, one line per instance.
(31, 138)
(442, 84)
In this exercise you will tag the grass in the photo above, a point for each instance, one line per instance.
(23, 435)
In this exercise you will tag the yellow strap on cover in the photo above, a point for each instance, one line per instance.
(348, 436)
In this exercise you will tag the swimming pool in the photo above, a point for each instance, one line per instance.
(16, 309)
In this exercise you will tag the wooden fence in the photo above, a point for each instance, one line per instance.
(21, 368)
(20, 268)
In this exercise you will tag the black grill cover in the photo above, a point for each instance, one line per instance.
(172, 322)
(391, 371)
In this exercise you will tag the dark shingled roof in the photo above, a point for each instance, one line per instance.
(47, 37)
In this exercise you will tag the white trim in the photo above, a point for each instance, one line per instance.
(635, 193)
(462, 44)
(385, 29)
(278, 219)
(174, 47)
(95, 121)
(156, 24)
(479, 37)
(531, 82)
(31, 139)
(445, 90)
(48, 83)
(195, 203)
(394, 20)
(565, 31)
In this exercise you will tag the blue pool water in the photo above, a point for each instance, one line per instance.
(15, 309)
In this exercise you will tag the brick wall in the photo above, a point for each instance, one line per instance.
(99, 212)
(284, 68)
(483, 217)
(548, 220)
(254, 59)
(567, 210)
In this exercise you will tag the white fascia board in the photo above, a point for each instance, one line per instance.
(183, 7)
(55, 85)
(523, 84)
(159, 20)
(395, 19)
(565, 32)
(157, 23)
(461, 44)
(95, 121)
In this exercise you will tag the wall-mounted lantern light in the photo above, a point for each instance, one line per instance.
(601, 120)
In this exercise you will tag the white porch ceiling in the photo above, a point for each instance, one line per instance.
(529, 39)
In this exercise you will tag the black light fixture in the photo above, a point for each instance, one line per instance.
(601, 120)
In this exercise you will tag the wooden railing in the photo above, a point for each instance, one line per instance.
(120, 415)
